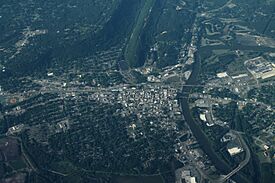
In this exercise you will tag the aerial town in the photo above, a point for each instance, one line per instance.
(133, 98)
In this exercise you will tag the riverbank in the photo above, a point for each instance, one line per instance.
(205, 144)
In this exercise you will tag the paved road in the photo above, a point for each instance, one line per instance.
(243, 163)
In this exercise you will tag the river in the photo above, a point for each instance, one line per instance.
(205, 144)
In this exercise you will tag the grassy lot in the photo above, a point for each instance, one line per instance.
(131, 49)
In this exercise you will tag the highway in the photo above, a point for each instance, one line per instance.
(243, 163)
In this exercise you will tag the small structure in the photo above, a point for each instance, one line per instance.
(207, 117)
(15, 129)
(222, 75)
(233, 148)
(193, 180)
(203, 117)
(266, 147)
(50, 74)
(228, 137)
(62, 126)
(186, 176)
(259, 67)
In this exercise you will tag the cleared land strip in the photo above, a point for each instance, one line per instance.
(132, 46)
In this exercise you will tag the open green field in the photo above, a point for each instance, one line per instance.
(133, 43)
